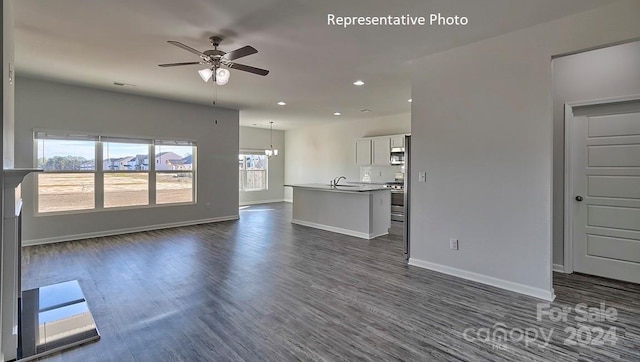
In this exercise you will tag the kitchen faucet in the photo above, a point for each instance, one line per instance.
(337, 179)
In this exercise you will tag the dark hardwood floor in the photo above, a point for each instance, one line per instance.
(263, 289)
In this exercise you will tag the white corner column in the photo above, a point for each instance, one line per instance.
(11, 244)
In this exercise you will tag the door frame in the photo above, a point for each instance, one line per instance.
(568, 175)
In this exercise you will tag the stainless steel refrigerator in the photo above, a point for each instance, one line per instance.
(407, 196)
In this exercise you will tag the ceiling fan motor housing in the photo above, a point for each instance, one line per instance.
(215, 41)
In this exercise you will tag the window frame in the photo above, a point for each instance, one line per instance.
(99, 172)
(243, 176)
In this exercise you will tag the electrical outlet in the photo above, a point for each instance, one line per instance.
(208, 205)
(453, 244)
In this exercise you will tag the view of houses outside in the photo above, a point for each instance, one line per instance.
(173, 187)
(125, 181)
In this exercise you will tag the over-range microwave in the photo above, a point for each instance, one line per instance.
(397, 156)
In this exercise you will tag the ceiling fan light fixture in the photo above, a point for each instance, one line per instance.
(205, 74)
(222, 76)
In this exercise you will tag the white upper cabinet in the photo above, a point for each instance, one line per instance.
(397, 141)
(363, 152)
(381, 151)
(376, 151)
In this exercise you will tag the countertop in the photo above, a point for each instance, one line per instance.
(342, 188)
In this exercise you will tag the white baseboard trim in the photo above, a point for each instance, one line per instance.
(97, 234)
(373, 236)
(334, 229)
(247, 203)
(548, 295)
(558, 268)
(289, 201)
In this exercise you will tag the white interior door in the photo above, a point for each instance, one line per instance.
(605, 175)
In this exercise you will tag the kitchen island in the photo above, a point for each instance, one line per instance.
(362, 211)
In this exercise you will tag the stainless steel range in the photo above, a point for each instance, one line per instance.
(397, 200)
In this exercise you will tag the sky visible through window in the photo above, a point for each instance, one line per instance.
(120, 150)
(51, 148)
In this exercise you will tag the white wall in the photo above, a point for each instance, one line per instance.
(321, 153)
(259, 139)
(42, 104)
(482, 131)
(8, 94)
(7, 262)
(611, 72)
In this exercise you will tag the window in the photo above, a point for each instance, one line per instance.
(174, 172)
(126, 172)
(68, 182)
(253, 172)
(73, 181)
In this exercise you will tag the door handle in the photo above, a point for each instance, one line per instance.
(579, 198)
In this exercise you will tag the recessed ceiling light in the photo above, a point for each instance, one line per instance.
(337, 114)
(281, 103)
(358, 83)
(410, 100)
(365, 110)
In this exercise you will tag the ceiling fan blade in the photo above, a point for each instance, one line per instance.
(239, 53)
(247, 68)
(178, 64)
(187, 48)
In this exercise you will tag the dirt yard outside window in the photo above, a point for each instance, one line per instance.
(75, 191)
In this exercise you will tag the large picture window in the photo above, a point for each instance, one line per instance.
(73, 181)
(253, 172)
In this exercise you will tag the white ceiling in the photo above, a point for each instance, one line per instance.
(312, 65)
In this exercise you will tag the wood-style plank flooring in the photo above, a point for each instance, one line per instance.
(262, 289)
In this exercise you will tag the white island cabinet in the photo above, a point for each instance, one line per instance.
(362, 211)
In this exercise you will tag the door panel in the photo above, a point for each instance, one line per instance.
(614, 156)
(614, 217)
(614, 248)
(614, 125)
(605, 172)
(614, 186)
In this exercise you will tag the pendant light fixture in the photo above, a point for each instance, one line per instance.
(271, 151)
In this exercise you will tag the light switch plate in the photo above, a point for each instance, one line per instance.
(422, 177)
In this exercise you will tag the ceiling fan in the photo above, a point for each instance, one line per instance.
(216, 59)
